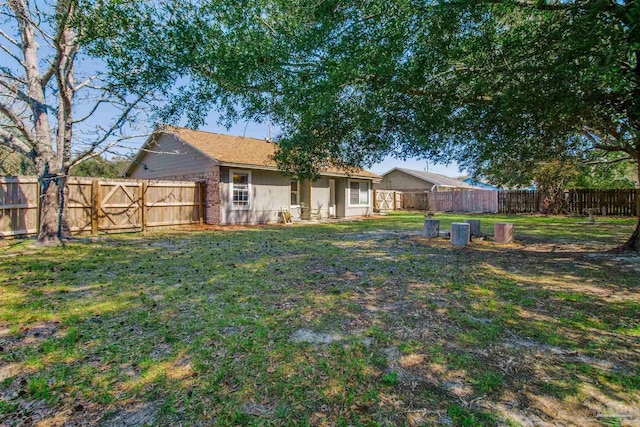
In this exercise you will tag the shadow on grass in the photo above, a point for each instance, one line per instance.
(186, 327)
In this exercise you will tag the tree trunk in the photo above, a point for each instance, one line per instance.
(633, 244)
(54, 224)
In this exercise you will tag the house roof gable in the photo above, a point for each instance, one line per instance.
(241, 151)
(433, 178)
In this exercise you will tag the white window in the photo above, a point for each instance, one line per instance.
(295, 192)
(359, 193)
(240, 189)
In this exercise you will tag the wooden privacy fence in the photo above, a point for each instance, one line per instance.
(452, 201)
(621, 202)
(464, 201)
(519, 201)
(385, 200)
(415, 201)
(103, 205)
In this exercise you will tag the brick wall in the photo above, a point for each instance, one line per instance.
(213, 198)
(211, 179)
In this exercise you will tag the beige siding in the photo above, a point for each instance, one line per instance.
(163, 163)
(400, 181)
(320, 196)
(343, 206)
(269, 192)
(358, 210)
(341, 197)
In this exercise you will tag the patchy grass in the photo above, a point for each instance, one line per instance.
(361, 323)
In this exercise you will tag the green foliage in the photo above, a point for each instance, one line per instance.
(7, 407)
(101, 167)
(38, 387)
(13, 163)
(390, 378)
(608, 175)
(488, 84)
(488, 382)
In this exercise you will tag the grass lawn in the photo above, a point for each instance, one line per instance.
(358, 323)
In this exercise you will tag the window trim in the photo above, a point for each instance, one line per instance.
(297, 204)
(368, 204)
(249, 189)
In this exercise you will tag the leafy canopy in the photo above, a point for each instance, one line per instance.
(484, 83)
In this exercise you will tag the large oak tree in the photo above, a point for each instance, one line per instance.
(61, 100)
(495, 85)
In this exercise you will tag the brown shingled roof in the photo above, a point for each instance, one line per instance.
(244, 151)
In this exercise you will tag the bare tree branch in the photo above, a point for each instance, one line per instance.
(8, 139)
(106, 148)
(17, 122)
(108, 133)
(9, 38)
(85, 83)
(11, 54)
(91, 112)
(15, 91)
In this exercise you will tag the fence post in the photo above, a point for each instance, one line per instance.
(375, 200)
(395, 204)
(95, 205)
(38, 207)
(143, 206)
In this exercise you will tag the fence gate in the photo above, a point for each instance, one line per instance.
(120, 206)
(384, 200)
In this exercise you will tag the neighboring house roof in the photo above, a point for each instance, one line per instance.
(480, 184)
(436, 179)
(239, 151)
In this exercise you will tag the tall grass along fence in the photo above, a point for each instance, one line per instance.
(621, 202)
(103, 205)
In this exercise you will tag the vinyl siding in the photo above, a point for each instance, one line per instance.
(269, 192)
(164, 164)
(343, 208)
(400, 181)
(357, 210)
(320, 196)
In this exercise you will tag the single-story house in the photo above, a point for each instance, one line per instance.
(409, 180)
(244, 186)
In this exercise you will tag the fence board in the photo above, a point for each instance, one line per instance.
(98, 205)
(452, 201)
(415, 201)
(620, 202)
(385, 200)
(18, 206)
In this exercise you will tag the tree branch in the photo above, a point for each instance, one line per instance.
(609, 162)
(106, 148)
(85, 83)
(109, 132)
(17, 92)
(17, 122)
(9, 140)
(538, 5)
(11, 54)
(92, 111)
(9, 38)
